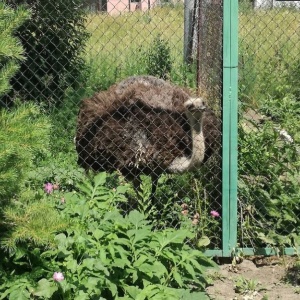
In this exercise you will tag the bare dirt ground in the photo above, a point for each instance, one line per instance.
(268, 278)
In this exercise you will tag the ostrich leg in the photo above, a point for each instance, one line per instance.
(154, 178)
(137, 183)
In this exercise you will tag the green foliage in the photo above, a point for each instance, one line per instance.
(60, 171)
(34, 222)
(248, 75)
(293, 78)
(268, 54)
(24, 135)
(105, 254)
(11, 51)
(158, 58)
(180, 199)
(116, 52)
(259, 76)
(246, 286)
(53, 41)
(268, 161)
(269, 176)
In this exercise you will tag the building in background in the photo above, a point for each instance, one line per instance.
(114, 7)
(276, 3)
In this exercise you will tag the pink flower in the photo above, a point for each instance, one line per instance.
(214, 214)
(48, 188)
(58, 276)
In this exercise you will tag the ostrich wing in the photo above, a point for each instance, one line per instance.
(143, 128)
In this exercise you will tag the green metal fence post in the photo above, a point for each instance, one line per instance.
(230, 117)
(234, 125)
(230, 129)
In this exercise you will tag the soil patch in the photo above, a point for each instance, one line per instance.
(258, 278)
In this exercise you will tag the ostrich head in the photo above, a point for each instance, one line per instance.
(194, 108)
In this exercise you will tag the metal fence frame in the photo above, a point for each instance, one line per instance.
(229, 135)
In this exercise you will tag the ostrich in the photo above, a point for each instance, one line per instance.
(145, 125)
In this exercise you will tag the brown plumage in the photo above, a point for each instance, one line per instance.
(139, 126)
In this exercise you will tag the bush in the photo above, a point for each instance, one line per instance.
(53, 40)
(158, 59)
(10, 48)
(269, 176)
(24, 135)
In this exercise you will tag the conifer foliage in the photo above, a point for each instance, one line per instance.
(24, 135)
(11, 51)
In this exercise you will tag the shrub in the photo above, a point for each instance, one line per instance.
(269, 176)
(24, 135)
(158, 58)
(53, 40)
(10, 48)
(31, 224)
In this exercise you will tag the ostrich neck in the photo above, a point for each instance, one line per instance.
(183, 164)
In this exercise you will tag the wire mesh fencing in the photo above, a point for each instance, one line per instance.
(144, 125)
(135, 89)
(113, 75)
(268, 126)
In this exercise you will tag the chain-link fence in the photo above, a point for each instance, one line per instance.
(156, 118)
(141, 125)
(163, 138)
(268, 128)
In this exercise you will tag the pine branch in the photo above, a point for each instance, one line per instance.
(11, 50)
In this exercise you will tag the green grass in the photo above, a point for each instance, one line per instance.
(121, 36)
(267, 31)
(269, 44)
(117, 44)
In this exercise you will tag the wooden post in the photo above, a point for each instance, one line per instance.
(188, 29)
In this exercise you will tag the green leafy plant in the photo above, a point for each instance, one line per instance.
(57, 171)
(246, 286)
(269, 175)
(179, 199)
(106, 254)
